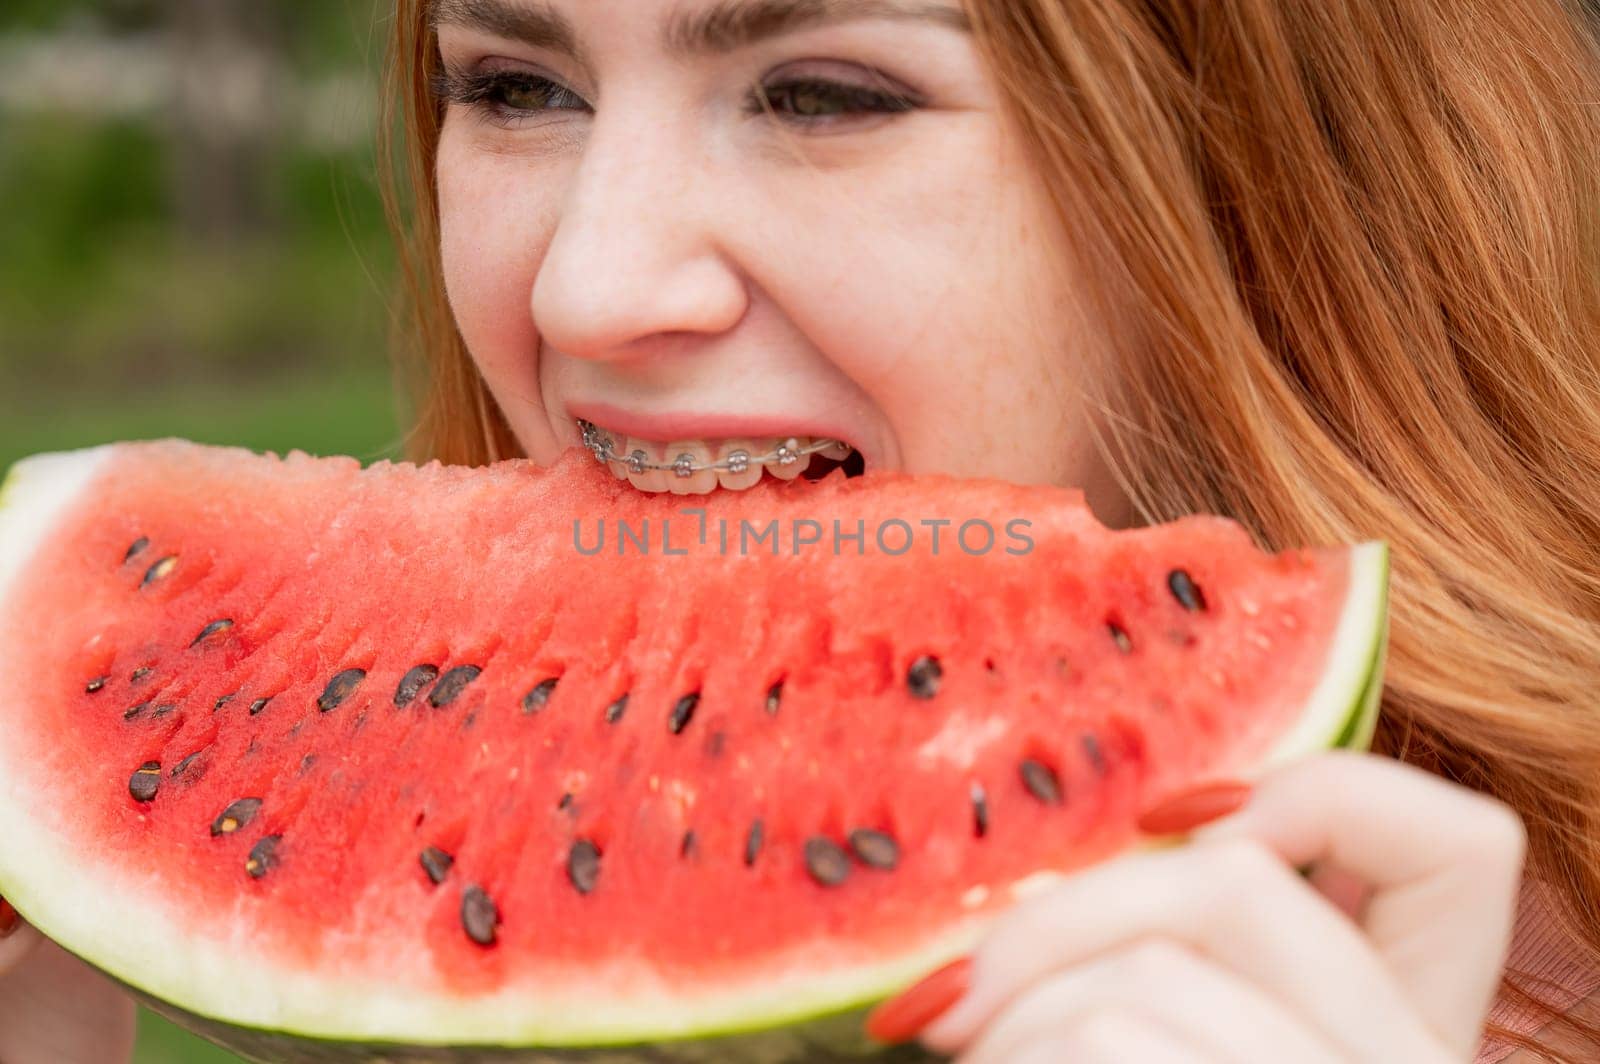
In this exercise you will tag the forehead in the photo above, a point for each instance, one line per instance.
(688, 27)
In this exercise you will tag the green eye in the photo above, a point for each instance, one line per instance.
(813, 100)
(809, 101)
(525, 96)
(505, 97)
(532, 94)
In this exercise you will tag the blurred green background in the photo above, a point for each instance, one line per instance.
(191, 241)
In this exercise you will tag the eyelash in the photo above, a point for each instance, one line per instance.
(485, 93)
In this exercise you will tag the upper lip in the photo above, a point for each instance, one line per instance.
(669, 427)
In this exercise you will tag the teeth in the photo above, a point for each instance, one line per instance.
(738, 480)
(789, 464)
(645, 452)
(691, 452)
(784, 460)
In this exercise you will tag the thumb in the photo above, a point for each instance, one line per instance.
(1439, 866)
(56, 1009)
(17, 939)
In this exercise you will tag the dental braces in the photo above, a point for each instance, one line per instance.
(736, 461)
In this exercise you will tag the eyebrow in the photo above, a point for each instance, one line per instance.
(734, 24)
(724, 27)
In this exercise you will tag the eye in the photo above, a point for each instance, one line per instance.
(818, 101)
(506, 96)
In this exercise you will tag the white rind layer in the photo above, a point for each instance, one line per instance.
(33, 497)
(125, 929)
(1355, 660)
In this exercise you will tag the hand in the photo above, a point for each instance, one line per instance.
(54, 1009)
(1219, 951)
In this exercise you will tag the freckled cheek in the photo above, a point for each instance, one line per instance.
(917, 274)
(494, 228)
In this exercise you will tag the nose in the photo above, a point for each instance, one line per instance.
(635, 254)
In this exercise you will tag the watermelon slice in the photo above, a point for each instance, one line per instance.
(399, 764)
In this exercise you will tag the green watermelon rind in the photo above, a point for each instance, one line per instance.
(771, 1023)
(1333, 718)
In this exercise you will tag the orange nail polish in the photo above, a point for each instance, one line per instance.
(8, 918)
(902, 1017)
(1192, 808)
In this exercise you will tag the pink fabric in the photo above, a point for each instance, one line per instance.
(1560, 972)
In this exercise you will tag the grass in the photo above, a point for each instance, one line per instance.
(163, 1042)
(349, 412)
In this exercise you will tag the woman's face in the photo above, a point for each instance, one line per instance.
(706, 226)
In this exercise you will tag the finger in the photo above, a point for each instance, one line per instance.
(1205, 1009)
(1103, 1038)
(1232, 901)
(57, 1010)
(1346, 892)
(1442, 863)
(17, 938)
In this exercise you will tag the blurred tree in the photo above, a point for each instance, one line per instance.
(225, 115)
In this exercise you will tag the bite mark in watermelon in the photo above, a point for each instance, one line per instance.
(362, 764)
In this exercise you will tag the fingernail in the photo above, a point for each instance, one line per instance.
(1186, 811)
(902, 1017)
(8, 918)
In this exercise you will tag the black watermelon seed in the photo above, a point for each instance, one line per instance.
(95, 684)
(682, 712)
(1041, 781)
(163, 709)
(341, 687)
(258, 705)
(539, 695)
(451, 684)
(135, 549)
(923, 677)
(159, 570)
(238, 813)
(616, 709)
(583, 865)
(826, 862)
(436, 863)
(479, 917)
(980, 810)
(183, 766)
(306, 763)
(1186, 591)
(221, 625)
(146, 780)
(565, 803)
(752, 842)
(412, 683)
(135, 712)
(263, 856)
(140, 673)
(686, 848)
(224, 700)
(774, 696)
(875, 848)
(1096, 756)
(1120, 637)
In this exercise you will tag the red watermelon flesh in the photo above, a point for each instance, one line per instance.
(671, 791)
